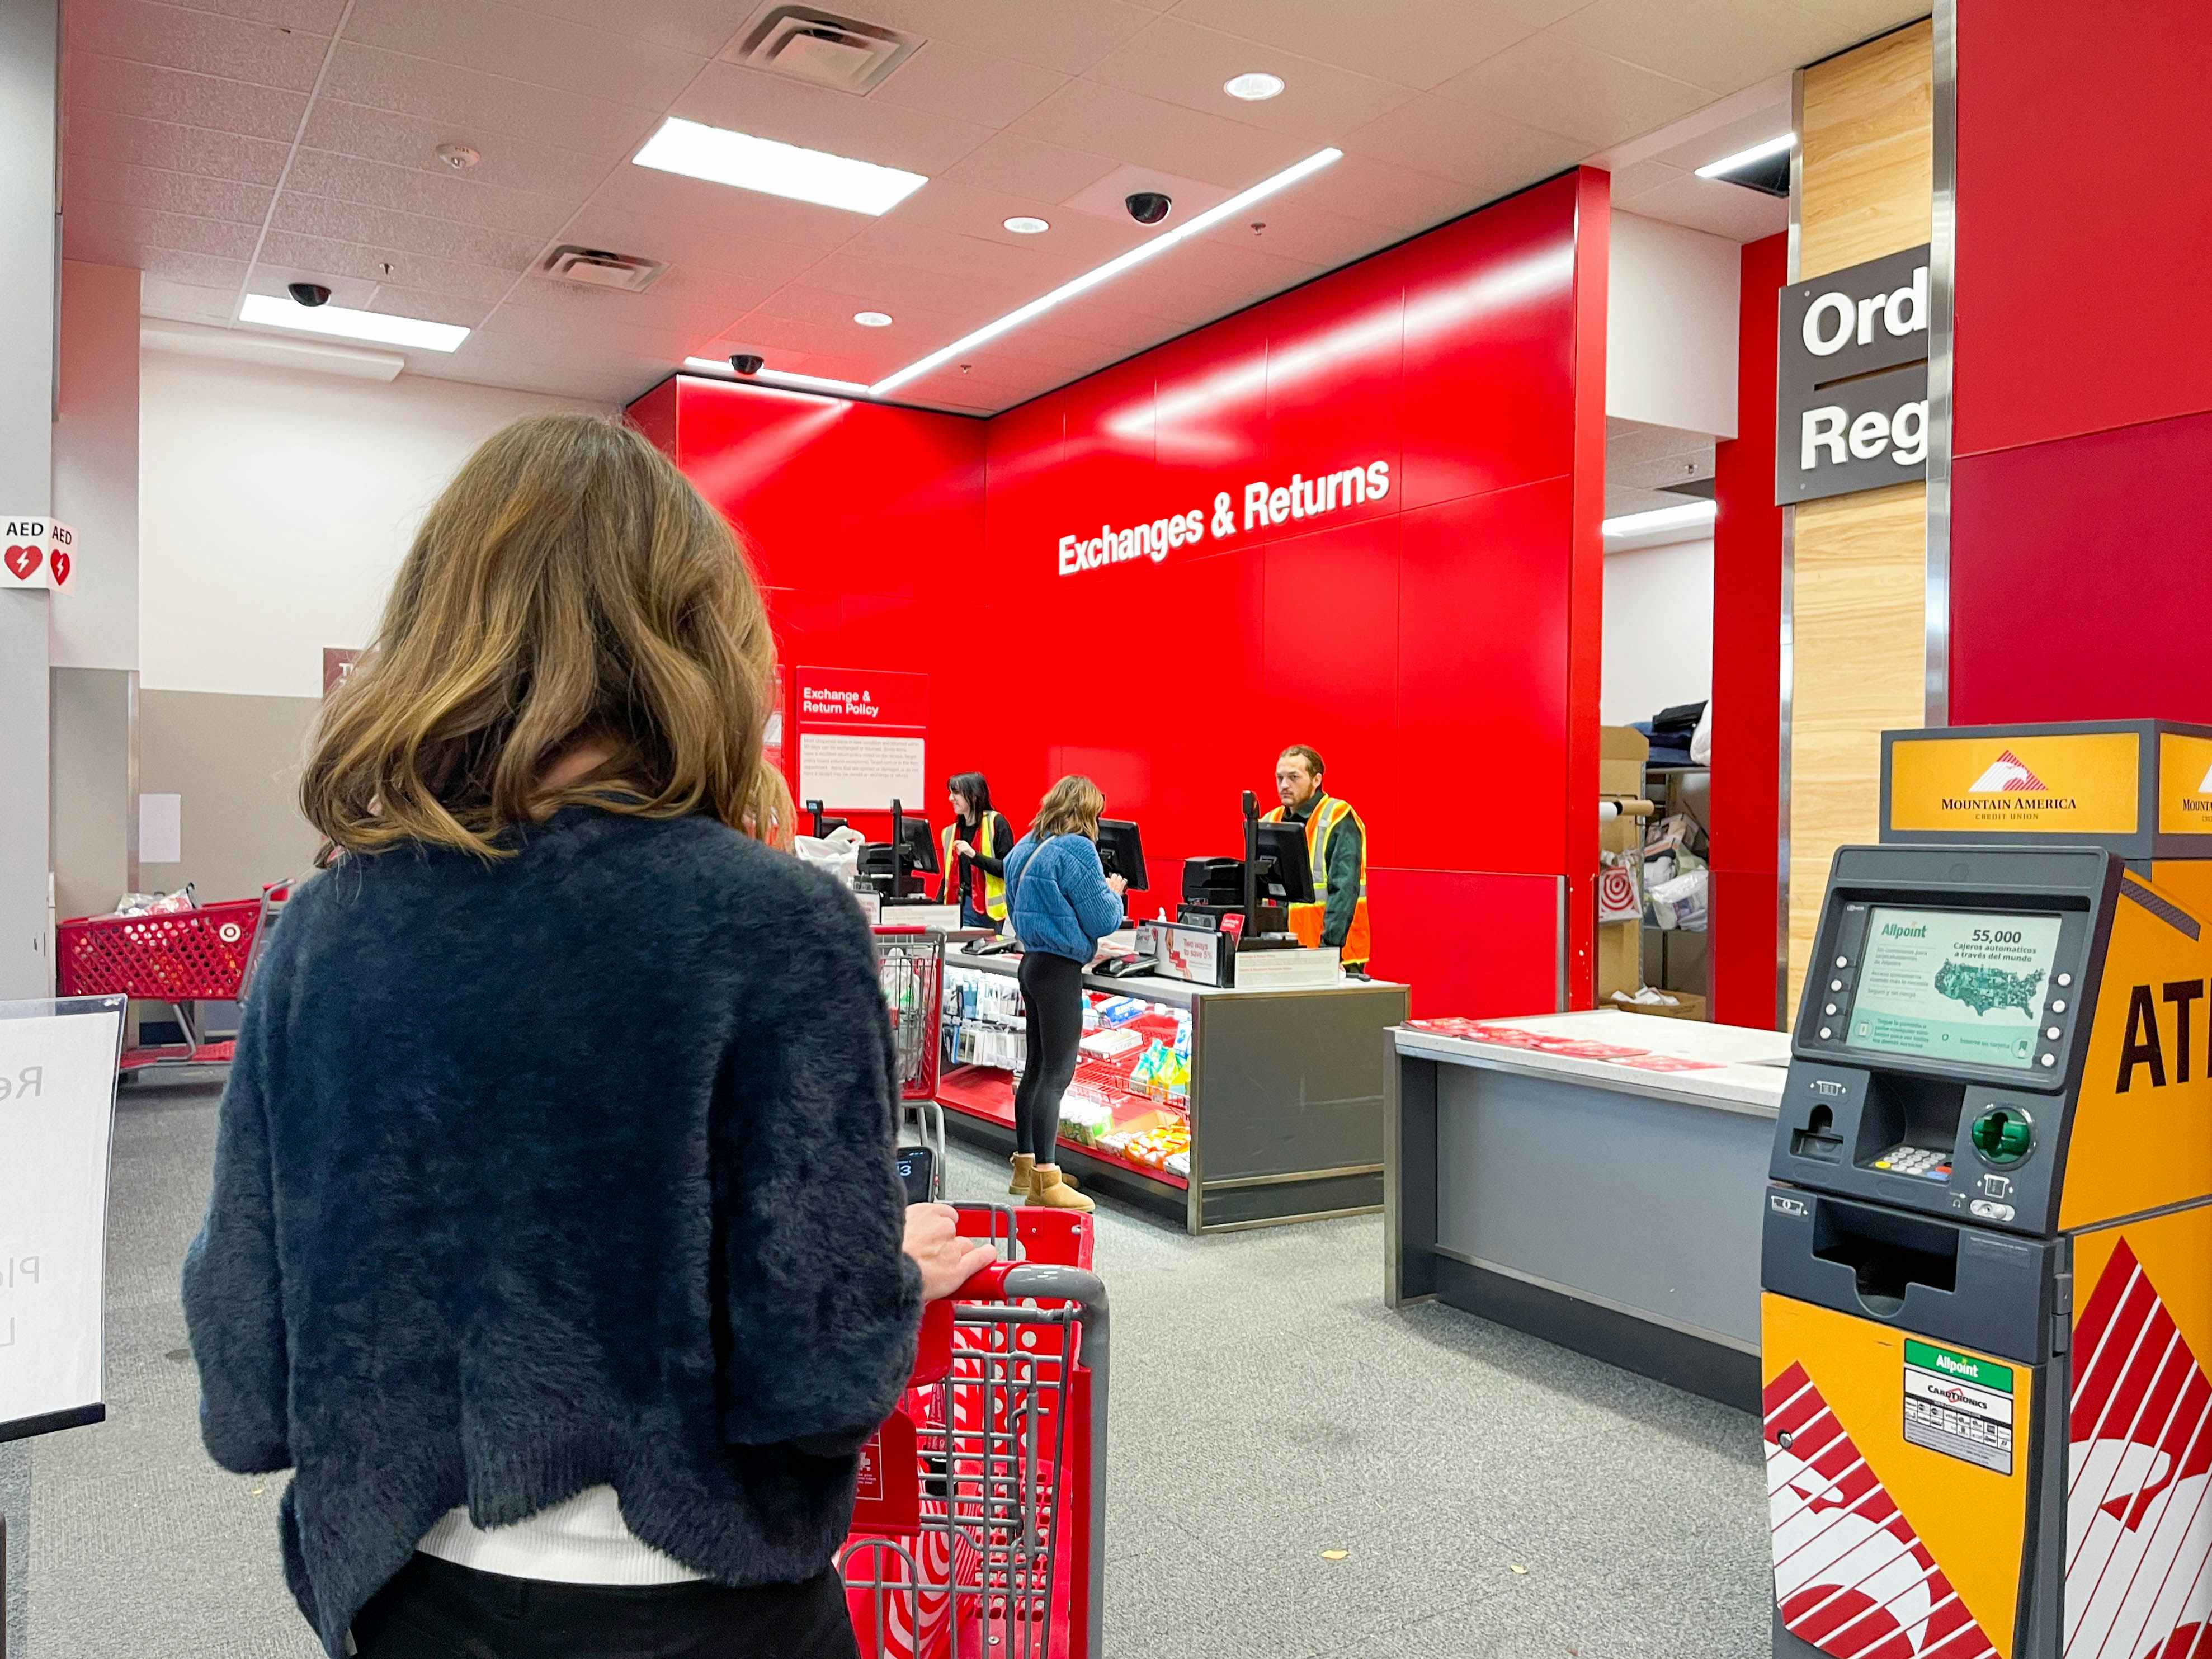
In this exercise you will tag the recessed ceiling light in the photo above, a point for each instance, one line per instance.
(1744, 158)
(720, 367)
(1253, 87)
(1113, 268)
(724, 157)
(1023, 224)
(1661, 517)
(872, 318)
(350, 325)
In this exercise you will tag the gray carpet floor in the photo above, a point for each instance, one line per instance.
(1490, 1495)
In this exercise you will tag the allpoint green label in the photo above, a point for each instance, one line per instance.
(1982, 1373)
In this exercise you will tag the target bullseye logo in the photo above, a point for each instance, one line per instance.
(1616, 889)
(230, 932)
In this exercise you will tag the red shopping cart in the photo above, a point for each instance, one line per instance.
(180, 958)
(980, 1530)
(911, 961)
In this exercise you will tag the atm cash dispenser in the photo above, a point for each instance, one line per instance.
(1987, 1263)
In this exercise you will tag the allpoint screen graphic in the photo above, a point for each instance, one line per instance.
(1954, 985)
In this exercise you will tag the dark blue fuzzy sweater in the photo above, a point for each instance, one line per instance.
(572, 1169)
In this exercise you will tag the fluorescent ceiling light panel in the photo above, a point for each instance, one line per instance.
(724, 157)
(1661, 517)
(1744, 158)
(778, 377)
(350, 324)
(1107, 272)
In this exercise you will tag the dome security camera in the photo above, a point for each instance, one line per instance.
(309, 294)
(1149, 207)
(745, 363)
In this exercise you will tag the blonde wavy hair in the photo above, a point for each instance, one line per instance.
(569, 586)
(1070, 807)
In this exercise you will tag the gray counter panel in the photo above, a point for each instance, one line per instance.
(1651, 1208)
(1293, 1083)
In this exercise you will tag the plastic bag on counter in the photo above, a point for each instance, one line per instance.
(1681, 903)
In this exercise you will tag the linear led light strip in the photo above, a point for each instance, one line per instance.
(1744, 158)
(1106, 273)
(347, 324)
(1661, 518)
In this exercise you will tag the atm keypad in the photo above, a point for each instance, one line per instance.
(1923, 1162)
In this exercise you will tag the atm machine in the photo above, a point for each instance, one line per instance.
(1987, 1256)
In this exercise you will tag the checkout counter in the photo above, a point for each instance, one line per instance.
(1274, 1113)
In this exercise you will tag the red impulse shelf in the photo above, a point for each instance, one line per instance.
(988, 1093)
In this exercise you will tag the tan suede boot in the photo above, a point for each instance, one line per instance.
(1023, 1163)
(1050, 1190)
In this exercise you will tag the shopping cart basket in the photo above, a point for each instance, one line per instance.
(979, 1531)
(180, 958)
(911, 961)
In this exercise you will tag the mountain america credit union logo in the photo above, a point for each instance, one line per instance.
(1264, 506)
(2007, 784)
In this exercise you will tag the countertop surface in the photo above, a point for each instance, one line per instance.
(1685, 1061)
(1173, 991)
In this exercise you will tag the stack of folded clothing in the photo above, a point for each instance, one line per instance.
(1670, 730)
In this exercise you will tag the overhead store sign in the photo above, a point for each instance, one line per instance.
(1265, 505)
(1851, 386)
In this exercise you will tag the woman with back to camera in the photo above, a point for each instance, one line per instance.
(1062, 903)
(554, 1240)
(977, 843)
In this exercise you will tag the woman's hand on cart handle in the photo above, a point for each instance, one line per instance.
(946, 1260)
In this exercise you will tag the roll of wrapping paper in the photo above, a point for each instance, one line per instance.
(1607, 811)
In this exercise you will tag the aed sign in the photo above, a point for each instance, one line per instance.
(1851, 384)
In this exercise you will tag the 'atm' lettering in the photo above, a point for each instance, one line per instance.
(2144, 1044)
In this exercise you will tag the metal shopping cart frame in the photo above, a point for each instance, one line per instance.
(911, 961)
(980, 1532)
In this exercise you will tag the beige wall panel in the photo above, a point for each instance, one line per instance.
(235, 761)
(1858, 606)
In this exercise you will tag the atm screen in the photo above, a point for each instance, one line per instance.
(1960, 985)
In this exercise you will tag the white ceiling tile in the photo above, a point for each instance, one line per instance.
(1640, 176)
(894, 287)
(1297, 232)
(676, 242)
(522, 45)
(151, 228)
(96, 81)
(1488, 152)
(1397, 198)
(1152, 134)
(1560, 85)
(1730, 211)
(1847, 22)
(826, 348)
(682, 205)
(478, 103)
(1185, 64)
(406, 190)
(198, 42)
(699, 27)
(945, 78)
(1726, 138)
(1721, 44)
(395, 301)
(1211, 281)
(198, 270)
(306, 16)
(525, 327)
(185, 302)
(87, 179)
(1029, 270)
(1538, 14)
(791, 113)
(1413, 43)
(322, 258)
(405, 232)
(901, 342)
(692, 302)
(407, 141)
(102, 134)
(1088, 239)
(1063, 34)
(1040, 172)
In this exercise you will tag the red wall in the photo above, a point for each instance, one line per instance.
(1439, 645)
(1748, 674)
(2082, 432)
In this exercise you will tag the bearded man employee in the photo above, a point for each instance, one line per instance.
(1336, 850)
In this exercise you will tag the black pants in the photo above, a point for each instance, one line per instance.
(1052, 994)
(433, 1609)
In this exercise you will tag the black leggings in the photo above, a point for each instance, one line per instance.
(1052, 994)
(435, 1609)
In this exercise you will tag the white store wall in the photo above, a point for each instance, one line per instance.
(1658, 644)
(276, 504)
(1670, 326)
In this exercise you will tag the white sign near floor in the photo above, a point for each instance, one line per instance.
(56, 1118)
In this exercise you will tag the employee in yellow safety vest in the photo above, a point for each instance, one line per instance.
(975, 845)
(1336, 850)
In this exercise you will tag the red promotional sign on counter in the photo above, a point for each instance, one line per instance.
(860, 738)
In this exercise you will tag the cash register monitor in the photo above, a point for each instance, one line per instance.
(879, 861)
(1284, 875)
(1122, 851)
(1965, 986)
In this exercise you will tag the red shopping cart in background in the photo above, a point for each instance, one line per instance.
(980, 1529)
(180, 958)
(911, 963)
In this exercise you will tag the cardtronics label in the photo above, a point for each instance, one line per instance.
(1959, 1405)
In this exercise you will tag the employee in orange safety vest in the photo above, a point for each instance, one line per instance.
(1336, 850)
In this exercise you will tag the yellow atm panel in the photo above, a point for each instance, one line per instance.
(1988, 1246)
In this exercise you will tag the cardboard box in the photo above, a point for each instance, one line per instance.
(1688, 1005)
(1622, 750)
